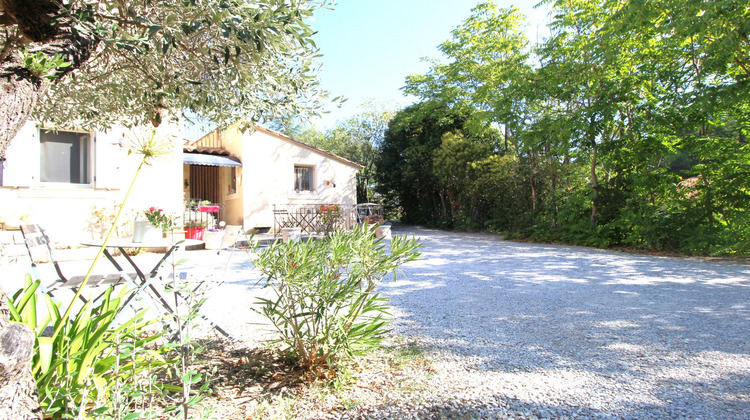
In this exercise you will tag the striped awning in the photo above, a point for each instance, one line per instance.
(209, 160)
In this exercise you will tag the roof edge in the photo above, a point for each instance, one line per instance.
(307, 146)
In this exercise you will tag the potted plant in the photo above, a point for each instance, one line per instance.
(213, 238)
(154, 227)
(208, 208)
(195, 229)
(376, 223)
(329, 216)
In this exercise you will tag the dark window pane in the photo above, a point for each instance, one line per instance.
(64, 157)
(303, 178)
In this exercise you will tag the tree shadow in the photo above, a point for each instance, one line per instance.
(635, 325)
(247, 373)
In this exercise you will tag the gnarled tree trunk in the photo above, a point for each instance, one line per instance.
(18, 394)
(41, 29)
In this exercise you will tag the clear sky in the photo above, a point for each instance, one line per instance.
(370, 46)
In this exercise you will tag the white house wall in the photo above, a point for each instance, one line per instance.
(65, 210)
(268, 177)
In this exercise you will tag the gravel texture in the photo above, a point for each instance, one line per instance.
(536, 331)
(523, 330)
(529, 331)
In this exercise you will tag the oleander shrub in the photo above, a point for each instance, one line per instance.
(325, 306)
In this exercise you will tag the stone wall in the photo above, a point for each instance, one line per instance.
(12, 247)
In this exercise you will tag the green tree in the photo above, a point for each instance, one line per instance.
(487, 69)
(454, 164)
(405, 166)
(105, 62)
(627, 126)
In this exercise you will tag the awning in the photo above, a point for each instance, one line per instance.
(209, 160)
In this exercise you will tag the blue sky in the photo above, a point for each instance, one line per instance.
(370, 46)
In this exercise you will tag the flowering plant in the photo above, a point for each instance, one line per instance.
(159, 219)
(374, 219)
(329, 214)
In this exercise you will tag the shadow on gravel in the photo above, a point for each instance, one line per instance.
(664, 334)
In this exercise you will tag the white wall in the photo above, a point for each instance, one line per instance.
(268, 177)
(65, 210)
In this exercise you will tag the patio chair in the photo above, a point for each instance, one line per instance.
(229, 241)
(40, 252)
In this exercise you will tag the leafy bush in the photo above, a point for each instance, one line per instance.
(90, 358)
(326, 307)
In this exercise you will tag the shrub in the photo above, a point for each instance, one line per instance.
(325, 306)
(84, 365)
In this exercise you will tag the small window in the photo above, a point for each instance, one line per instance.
(65, 157)
(232, 180)
(303, 178)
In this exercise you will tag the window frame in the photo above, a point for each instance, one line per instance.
(312, 181)
(232, 180)
(89, 157)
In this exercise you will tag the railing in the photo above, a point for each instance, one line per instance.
(312, 219)
(201, 214)
(318, 219)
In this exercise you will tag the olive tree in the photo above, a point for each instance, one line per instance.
(98, 63)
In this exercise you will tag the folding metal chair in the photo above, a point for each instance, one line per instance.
(40, 251)
(229, 240)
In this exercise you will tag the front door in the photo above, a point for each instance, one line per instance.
(204, 183)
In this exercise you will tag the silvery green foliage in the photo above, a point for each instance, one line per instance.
(325, 304)
(220, 60)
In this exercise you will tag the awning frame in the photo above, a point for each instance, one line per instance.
(210, 160)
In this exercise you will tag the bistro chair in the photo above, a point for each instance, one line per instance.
(40, 252)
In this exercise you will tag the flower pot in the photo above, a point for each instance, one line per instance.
(213, 239)
(195, 233)
(139, 230)
(144, 231)
(291, 234)
(383, 231)
(208, 208)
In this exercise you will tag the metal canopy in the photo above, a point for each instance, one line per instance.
(209, 160)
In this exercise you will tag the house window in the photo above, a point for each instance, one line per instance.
(232, 180)
(304, 178)
(65, 157)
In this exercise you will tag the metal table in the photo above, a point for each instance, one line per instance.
(144, 280)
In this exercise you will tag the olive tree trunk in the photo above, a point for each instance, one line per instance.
(18, 393)
(20, 90)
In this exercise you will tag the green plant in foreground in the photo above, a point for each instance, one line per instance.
(80, 368)
(188, 299)
(90, 365)
(326, 307)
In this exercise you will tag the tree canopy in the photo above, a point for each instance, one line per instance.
(104, 62)
(626, 126)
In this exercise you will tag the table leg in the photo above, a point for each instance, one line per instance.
(130, 281)
(146, 282)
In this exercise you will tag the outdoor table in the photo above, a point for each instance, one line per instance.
(142, 279)
(146, 279)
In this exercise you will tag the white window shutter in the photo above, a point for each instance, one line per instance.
(21, 168)
(109, 160)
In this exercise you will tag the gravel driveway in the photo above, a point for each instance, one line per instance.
(528, 330)
(544, 331)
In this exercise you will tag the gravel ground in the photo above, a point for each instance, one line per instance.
(516, 330)
(543, 331)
